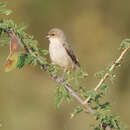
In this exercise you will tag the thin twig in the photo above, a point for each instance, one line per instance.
(113, 66)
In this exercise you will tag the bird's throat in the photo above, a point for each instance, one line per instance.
(55, 41)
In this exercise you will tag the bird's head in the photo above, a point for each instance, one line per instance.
(56, 33)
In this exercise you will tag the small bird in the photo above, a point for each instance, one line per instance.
(60, 51)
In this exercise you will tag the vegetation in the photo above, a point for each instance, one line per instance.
(24, 50)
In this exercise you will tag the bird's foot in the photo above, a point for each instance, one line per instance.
(61, 80)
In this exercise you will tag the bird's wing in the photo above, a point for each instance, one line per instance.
(71, 53)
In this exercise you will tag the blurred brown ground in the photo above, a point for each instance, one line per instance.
(95, 29)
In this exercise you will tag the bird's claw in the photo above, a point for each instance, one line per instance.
(61, 80)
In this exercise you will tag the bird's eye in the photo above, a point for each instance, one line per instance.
(52, 34)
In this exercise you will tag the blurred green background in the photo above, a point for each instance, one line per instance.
(95, 28)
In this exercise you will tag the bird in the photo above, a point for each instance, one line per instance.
(61, 52)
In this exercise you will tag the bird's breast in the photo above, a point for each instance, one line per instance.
(58, 54)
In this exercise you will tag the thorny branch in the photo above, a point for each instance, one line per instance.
(113, 66)
(86, 105)
(67, 86)
(71, 91)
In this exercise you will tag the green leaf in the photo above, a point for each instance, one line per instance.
(58, 101)
(104, 87)
(105, 105)
(1, 30)
(111, 75)
(92, 93)
(80, 74)
(100, 74)
(97, 128)
(77, 111)
(30, 60)
(125, 44)
(44, 52)
(97, 97)
(5, 11)
(118, 64)
(31, 43)
(3, 4)
(61, 94)
(21, 61)
(22, 27)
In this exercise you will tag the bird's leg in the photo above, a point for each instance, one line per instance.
(63, 76)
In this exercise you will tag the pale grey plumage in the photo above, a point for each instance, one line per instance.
(60, 50)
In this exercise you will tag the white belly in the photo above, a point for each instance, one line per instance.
(58, 54)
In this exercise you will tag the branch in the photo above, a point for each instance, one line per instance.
(113, 66)
(85, 103)
(67, 86)
(87, 107)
